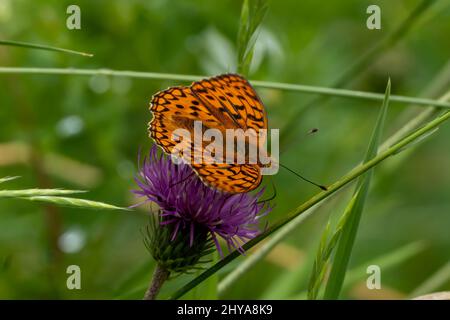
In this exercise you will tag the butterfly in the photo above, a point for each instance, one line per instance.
(227, 101)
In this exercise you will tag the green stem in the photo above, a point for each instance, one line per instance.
(344, 93)
(263, 250)
(353, 174)
(415, 122)
(42, 47)
(160, 275)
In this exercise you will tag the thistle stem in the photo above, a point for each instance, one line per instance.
(160, 275)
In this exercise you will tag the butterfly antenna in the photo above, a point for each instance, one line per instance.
(273, 196)
(310, 132)
(182, 180)
(305, 179)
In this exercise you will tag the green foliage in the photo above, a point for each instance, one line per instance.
(323, 255)
(355, 209)
(247, 265)
(252, 15)
(53, 196)
(386, 261)
(325, 91)
(6, 179)
(74, 202)
(36, 192)
(42, 47)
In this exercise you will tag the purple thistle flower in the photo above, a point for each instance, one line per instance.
(189, 205)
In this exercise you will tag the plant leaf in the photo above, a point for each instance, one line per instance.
(252, 14)
(326, 247)
(5, 179)
(74, 202)
(207, 290)
(36, 192)
(42, 47)
(328, 91)
(385, 261)
(262, 251)
(354, 209)
(418, 141)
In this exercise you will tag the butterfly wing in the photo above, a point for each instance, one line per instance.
(230, 96)
(223, 102)
(177, 108)
(233, 96)
(232, 178)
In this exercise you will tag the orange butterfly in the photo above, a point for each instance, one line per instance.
(223, 102)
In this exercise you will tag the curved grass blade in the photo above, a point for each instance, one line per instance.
(5, 179)
(362, 64)
(74, 202)
(129, 281)
(36, 192)
(265, 248)
(252, 14)
(288, 284)
(42, 47)
(419, 119)
(326, 248)
(385, 261)
(334, 92)
(208, 289)
(354, 210)
(434, 282)
(346, 179)
(391, 39)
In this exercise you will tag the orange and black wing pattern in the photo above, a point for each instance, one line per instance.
(223, 102)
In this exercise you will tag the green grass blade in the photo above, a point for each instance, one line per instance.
(320, 263)
(390, 40)
(434, 282)
(42, 47)
(346, 179)
(208, 289)
(362, 64)
(355, 208)
(242, 35)
(415, 122)
(265, 248)
(75, 202)
(420, 140)
(323, 255)
(5, 179)
(287, 284)
(36, 192)
(252, 14)
(137, 277)
(333, 92)
(385, 261)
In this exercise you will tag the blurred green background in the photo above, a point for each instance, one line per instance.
(85, 132)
